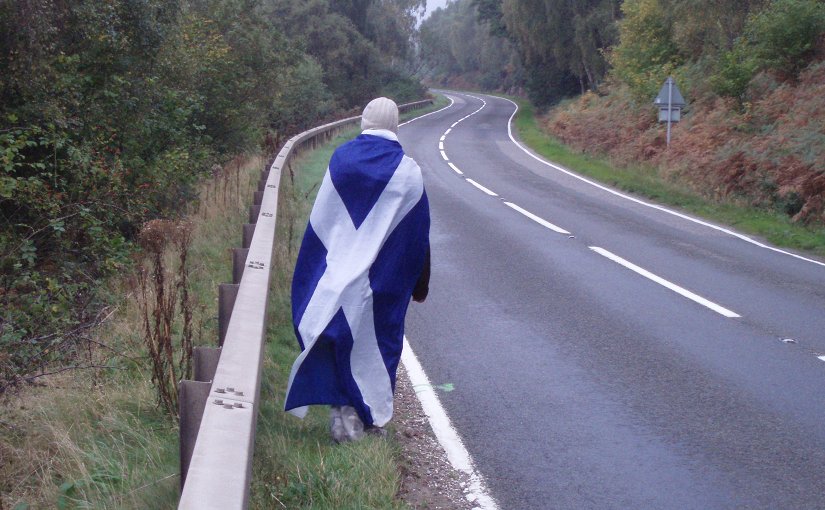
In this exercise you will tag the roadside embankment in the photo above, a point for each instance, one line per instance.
(758, 169)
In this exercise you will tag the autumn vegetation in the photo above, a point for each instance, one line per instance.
(752, 71)
(112, 113)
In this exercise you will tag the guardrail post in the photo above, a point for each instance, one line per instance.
(205, 362)
(248, 232)
(254, 211)
(227, 292)
(238, 262)
(192, 397)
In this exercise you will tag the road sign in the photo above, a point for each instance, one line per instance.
(670, 102)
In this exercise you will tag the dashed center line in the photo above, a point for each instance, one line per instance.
(661, 281)
(459, 172)
(535, 218)
(482, 188)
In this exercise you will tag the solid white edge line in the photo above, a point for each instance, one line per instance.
(482, 188)
(537, 219)
(459, 172)
(444, 431)
(642, 202)
(661, 281)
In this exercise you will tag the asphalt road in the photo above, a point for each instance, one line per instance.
(636, 362)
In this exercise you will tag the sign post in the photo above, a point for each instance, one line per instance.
(670, 102)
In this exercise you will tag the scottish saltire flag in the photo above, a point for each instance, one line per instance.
(362, 253)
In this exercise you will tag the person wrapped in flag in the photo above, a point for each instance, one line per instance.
(365, 253)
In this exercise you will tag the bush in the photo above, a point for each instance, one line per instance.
(780, 38)
(647, 53)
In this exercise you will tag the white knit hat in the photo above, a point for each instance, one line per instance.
(380, 113)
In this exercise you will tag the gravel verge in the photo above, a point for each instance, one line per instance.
(428, 481)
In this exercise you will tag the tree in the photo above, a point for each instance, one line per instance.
(646, 52)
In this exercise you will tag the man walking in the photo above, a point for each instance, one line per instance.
(365, 253)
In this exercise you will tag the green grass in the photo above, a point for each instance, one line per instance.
(295, 464)
(645, 182)
(97, 439)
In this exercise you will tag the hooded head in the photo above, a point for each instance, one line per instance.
(380, 113)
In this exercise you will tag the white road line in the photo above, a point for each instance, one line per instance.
(454, 124)
(821, 358)
(428, 114)
(444, 431)
(482, 188)
(443, 137)
(441, 144)
(535, 218)
(447, 132)
(661, 281)
(444, 155)
(459, 172)
(647, 204)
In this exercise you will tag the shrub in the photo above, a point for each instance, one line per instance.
(780, 38)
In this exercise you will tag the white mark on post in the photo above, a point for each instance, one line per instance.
(661, 281)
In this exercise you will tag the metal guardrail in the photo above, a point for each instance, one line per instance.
(219, 410)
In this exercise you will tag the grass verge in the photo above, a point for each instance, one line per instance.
(777, 228)
(95, 438)
(295, 464)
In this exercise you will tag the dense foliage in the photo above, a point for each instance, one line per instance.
(566, 47)
(459, 50)
(557, 46)
(750, 69)
(111, 111)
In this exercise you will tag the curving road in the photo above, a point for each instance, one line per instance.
(605, 352)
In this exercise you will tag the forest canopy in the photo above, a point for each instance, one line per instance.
(111, 112)
(562, 48)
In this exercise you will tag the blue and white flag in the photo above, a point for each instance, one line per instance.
(362, 253)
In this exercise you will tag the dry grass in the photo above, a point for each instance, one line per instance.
(767, 153)
(97, 438)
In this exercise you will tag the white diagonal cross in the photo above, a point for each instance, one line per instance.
(345, 282)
